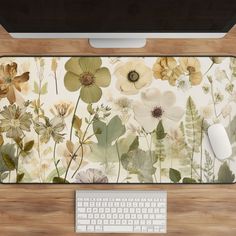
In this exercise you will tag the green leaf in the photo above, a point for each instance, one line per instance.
(108, 133)
(90, 109)
(1, 140)
(115, 129)
(3, 176)
(141, 163)
(187, 180)
(231, 130)
(10, 164)
(174, 175)
(77, 122)
(44, 89)
(107, 154)
(36, 88)
(19, 177)
(160, 133)
(134, 144)
(59, 180)
(53, 173)
(225, 175)
(193, 126)
(10, 150)
(28, 146)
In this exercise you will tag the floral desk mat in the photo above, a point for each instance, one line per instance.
(115, 119)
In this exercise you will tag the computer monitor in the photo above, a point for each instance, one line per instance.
(108, 22)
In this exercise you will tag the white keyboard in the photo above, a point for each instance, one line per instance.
(121, 211)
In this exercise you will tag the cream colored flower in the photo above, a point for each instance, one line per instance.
(176, 136)
(166, 68)
(225, 111)
(206, 112)
(62, 109)
(156, 106)
(221, 75)
(75, 152)
(132, 76)
(183, 83)
(191, 66)
(217, 60)
(123, 106)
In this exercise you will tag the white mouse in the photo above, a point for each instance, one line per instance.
(219, 141)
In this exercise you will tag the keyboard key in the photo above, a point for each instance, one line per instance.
(81, 228)
(144, 228)
(119, 228)
(81, 210)
(93, 222)
(90, 228)
(118, 222)
(137, 229)
(82, 216)
(130, 222)
(84, 222)
(98, 228)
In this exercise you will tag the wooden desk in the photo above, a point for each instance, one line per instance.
(42, 210)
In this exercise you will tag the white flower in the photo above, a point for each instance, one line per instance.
(225, 111)
(207, 112)
(74, 152)
(123, 106)
(183, 83)
(132, 76)
(134, 129)
(221, 74)
(122, 103)
(156, 106)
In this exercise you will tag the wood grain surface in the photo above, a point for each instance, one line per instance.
(43, 209)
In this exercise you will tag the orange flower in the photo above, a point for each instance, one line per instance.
(9, 81)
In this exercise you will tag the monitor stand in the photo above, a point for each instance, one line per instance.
(117, 42)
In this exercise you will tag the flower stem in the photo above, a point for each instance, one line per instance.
(55, 78)
(209, 68)
(81, 160)
(72, 157)
(213, 100)
(118, 155)
(54, 159)
(201, 150)
(160, 171)
(73, 117)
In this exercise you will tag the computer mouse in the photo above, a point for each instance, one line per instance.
(219, 141)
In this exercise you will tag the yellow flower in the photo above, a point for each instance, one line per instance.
(191, 66)
(86, 74)
(166, 68)
(9, 81)
(217, 60)
(62, 109)
(74, 153)
(132, 76)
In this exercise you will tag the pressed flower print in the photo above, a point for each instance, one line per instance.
(132, 76)
(115, 119)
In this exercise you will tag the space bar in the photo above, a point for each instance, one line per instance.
(117, 228)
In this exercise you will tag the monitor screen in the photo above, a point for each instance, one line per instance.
(116, 16)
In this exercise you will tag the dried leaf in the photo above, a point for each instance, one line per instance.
(19, 177)
(174, 175)
(77, 122)
(10, 164)
(28, 146)
(70, 146)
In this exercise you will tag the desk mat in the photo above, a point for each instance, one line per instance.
(115, 119)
